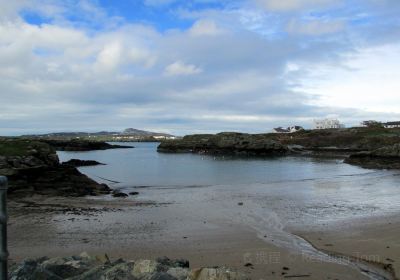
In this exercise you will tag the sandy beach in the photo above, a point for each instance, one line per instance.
(373, 240)
(288, 218)
(66, 226)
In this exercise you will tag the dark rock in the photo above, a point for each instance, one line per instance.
(225, 143)
(383, 158)
(121, 271)
(86, 267)
(173, 263)
(134, 193)
(59, 181)
(33, 168)
(67, 267)
(79, 162)
(32, 270)
(82, 145)
(117, 193)
(329, 142)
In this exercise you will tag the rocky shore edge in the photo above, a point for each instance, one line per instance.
(86, 267)
(368, 148)
(383, 158)
(33, 167)
(79, 163)
(82, 145)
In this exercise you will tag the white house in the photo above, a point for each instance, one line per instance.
(327, 124)
(392, 125)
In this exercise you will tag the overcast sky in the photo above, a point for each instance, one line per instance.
(196, 65)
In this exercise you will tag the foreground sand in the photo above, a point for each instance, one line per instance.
(374, 240)
(61, 227)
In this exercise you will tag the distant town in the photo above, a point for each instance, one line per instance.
(136, 135)
(335, 124)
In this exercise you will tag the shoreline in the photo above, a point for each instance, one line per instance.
(58, 233)
(226, 225)
(371, 240)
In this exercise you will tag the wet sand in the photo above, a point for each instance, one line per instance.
(127, 228)
(376, 241)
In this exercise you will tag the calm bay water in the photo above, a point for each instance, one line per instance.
(289, 191)
(143, 166)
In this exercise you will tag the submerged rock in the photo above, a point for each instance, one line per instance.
(78, 162)
(118, 193)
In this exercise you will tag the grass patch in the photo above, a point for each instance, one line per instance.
(16, 147)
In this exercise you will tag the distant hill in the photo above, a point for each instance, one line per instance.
(138, 132)
(126, 132)
(72, 134)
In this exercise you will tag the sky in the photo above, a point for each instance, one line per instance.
(196, 66)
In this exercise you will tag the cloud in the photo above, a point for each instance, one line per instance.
(314, 27)
(292, 5)
(158, 2)
(109, 57)
(179, 68)
(217, 68)
(205, 27)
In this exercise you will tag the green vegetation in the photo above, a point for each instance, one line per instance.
(365, 138)
(350, 139)
(18, 147)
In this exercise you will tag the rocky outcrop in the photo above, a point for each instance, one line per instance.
(118, 193)
(225, 143)
(33, 168)
(368, 147)
(56, 181)
(79, 162)
(383, 158)
(81, 145)
(86, 267)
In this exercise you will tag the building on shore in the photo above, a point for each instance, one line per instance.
(290, 129)
(327, 124)
(372, 123)
(392, 125)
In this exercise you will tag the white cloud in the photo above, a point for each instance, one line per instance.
(109, 57)
(179, 68)
(369, 81)
(291, 5)
(205, 27)
(71, 75)
(314, 27)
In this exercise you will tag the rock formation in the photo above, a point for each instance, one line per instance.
(225, 143)
(387, 157)
(86, 267)
(81, 145)
(33, 168)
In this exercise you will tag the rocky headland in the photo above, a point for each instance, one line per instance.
(225, 143)
(86, 267)
(367, 147)
(33, 167)
(81, 145)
